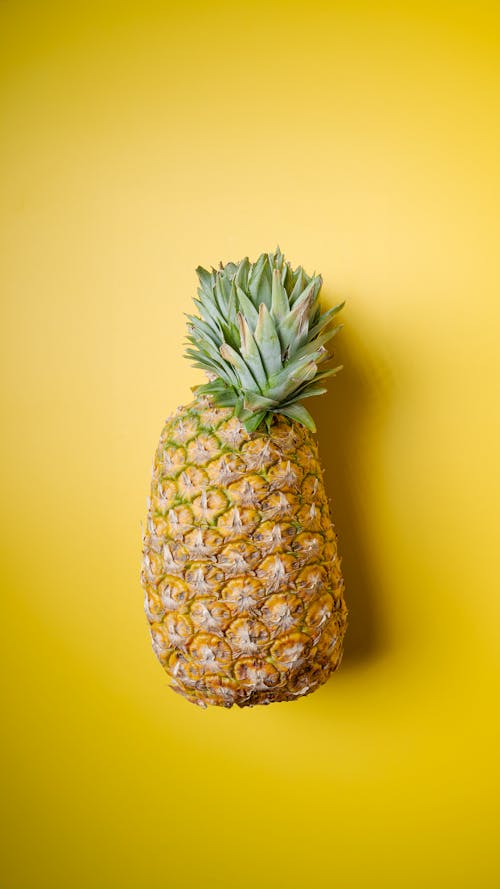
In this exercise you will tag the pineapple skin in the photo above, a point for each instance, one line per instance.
(242, 579)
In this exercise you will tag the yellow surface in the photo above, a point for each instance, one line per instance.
(138, 140)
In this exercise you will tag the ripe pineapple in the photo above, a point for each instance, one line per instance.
(243, 588)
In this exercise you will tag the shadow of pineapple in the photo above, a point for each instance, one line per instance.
(358, 394)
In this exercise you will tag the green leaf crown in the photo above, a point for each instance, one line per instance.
(261, 338)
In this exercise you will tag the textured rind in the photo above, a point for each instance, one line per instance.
(242, 580)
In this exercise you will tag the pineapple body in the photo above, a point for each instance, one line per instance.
(242, 580)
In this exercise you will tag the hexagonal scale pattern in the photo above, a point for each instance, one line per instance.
(242, 580)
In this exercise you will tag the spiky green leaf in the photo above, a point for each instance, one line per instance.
(228, 398)
(268, 342)
(253, 422)
(279, 297)
(245, 376)
(308, 392)
(301, 414)
(259, 284)
(241, 277)
(255, 402)
(247, 308)
(250, 352)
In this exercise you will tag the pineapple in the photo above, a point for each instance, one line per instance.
(242, 579)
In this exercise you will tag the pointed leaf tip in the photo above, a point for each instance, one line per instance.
(301, 414)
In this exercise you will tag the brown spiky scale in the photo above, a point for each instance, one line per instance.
(243, 585)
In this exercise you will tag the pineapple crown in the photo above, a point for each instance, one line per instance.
(261, 338)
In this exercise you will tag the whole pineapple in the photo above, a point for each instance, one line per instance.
(243, 588)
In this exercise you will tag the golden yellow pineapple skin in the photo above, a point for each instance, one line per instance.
(242, 580)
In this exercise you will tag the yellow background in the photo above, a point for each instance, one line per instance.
(138, 140)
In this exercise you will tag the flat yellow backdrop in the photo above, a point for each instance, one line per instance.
(137, 141)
